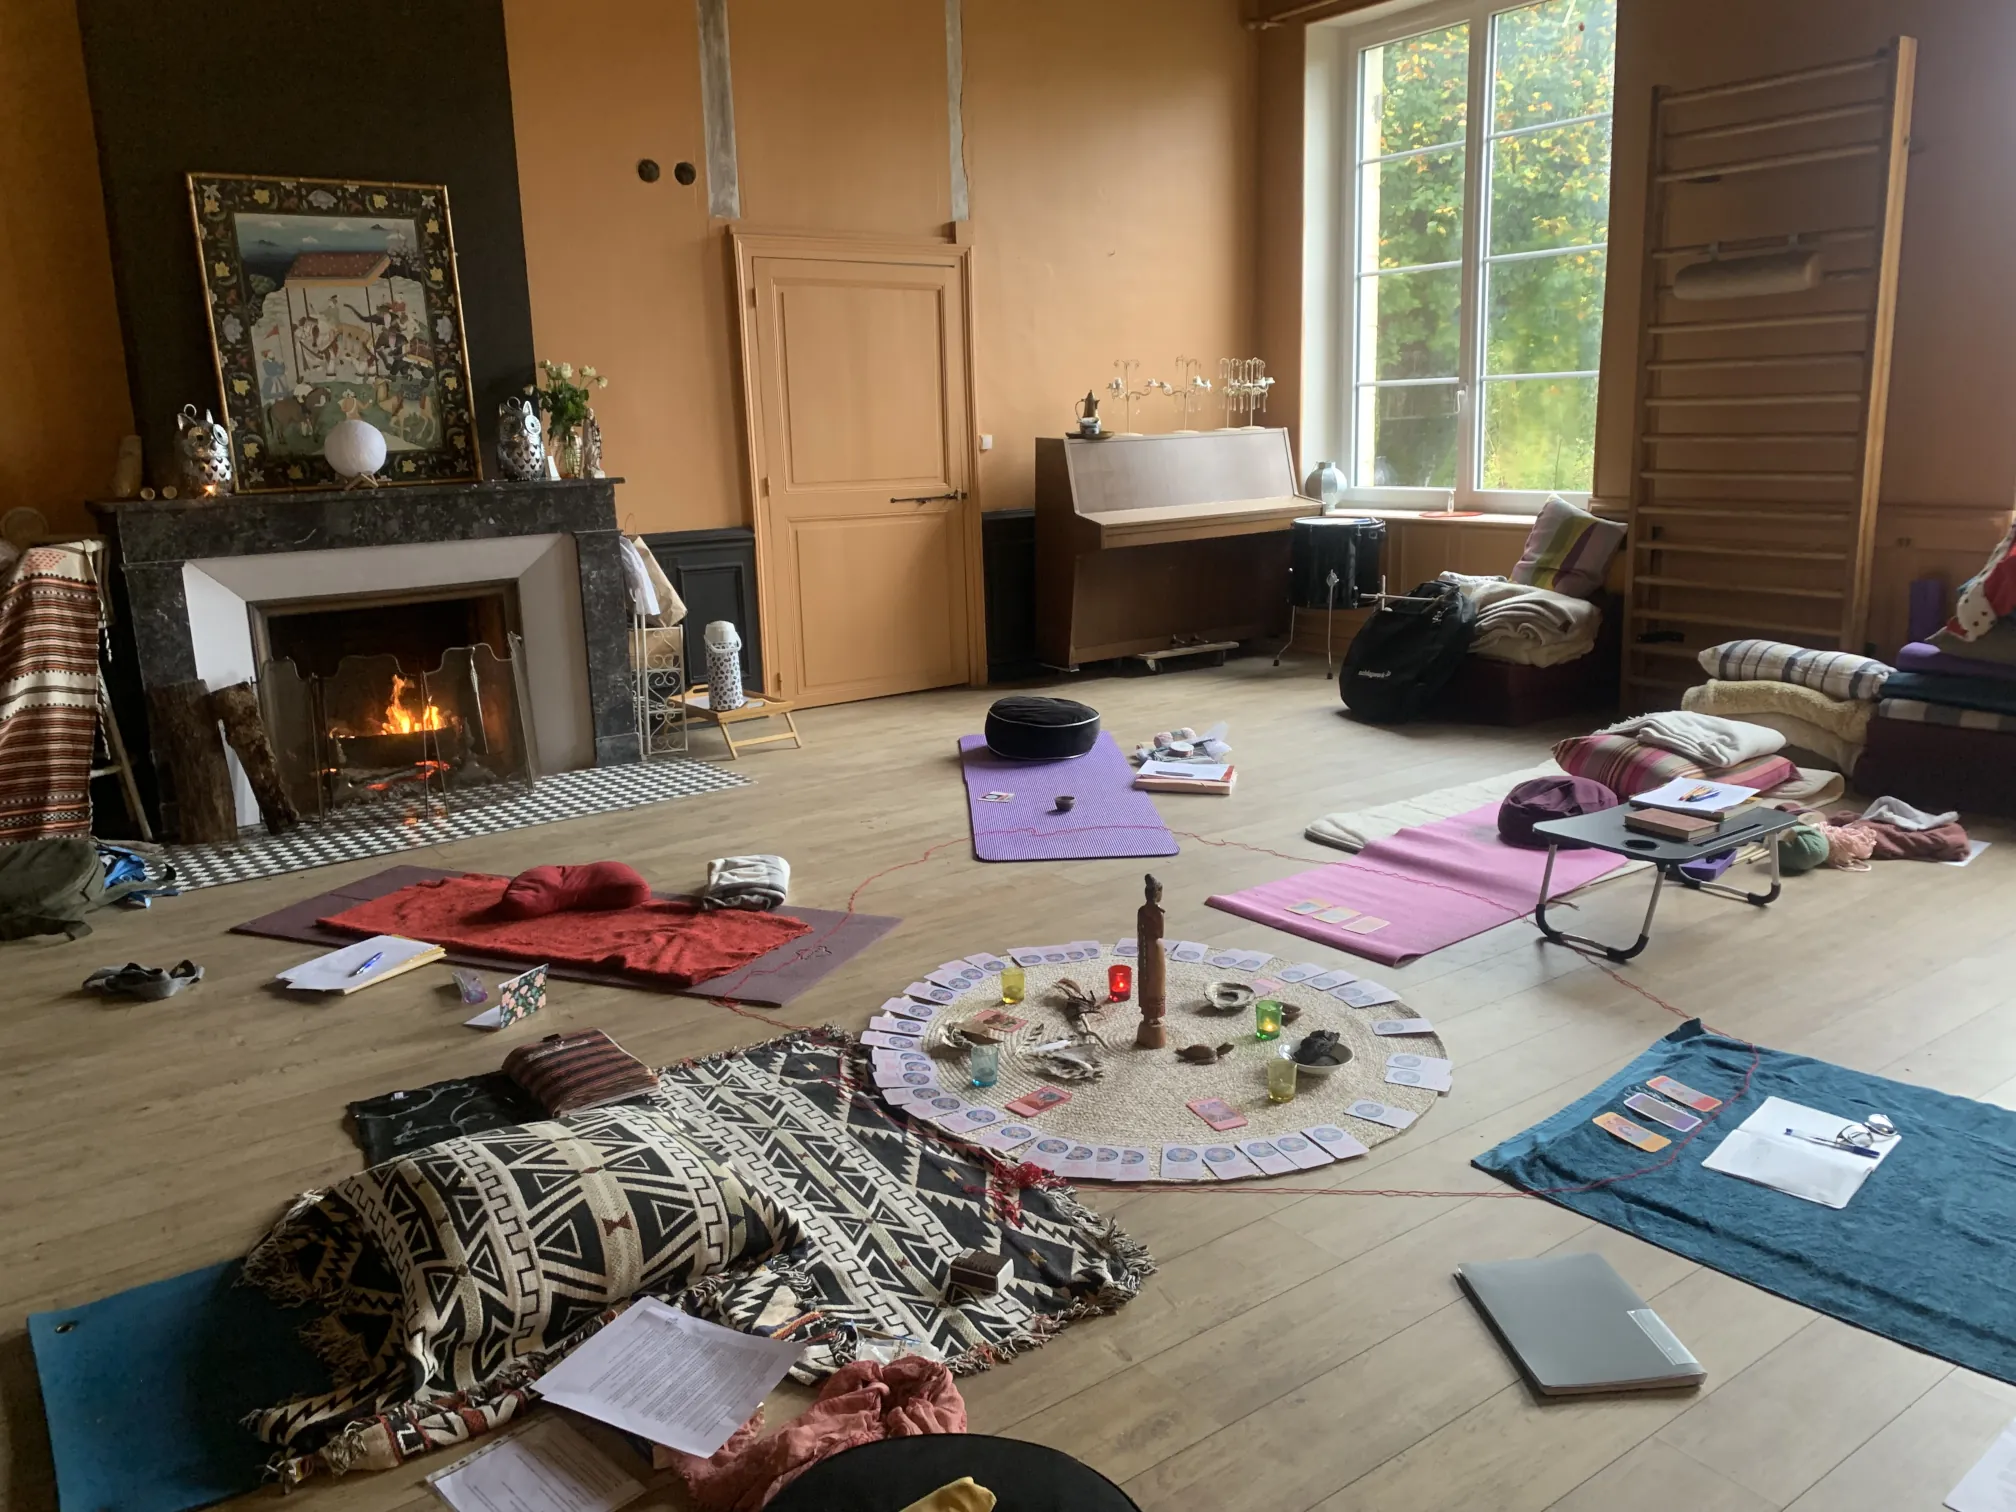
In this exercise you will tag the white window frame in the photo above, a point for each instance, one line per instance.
(1331, 307)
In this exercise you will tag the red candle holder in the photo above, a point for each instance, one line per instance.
(1119, 982)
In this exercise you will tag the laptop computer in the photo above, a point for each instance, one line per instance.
(1575, 1326)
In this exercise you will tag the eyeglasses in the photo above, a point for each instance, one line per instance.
(1856, 1138)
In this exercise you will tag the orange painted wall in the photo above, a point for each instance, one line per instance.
(63, 404)
(1110, 152)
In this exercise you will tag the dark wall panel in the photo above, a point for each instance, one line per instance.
(714, 571)
(405, 91)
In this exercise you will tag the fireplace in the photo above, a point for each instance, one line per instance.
(395, 700)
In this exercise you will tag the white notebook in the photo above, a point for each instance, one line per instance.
(345, 970)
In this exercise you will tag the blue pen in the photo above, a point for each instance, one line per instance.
(1834, 1144)
(375, 958)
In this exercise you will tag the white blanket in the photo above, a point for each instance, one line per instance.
(1535, 626)
(1704, 738)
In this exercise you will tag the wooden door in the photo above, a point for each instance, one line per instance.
(860, 430)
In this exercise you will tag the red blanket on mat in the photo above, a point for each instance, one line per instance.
(668, 944)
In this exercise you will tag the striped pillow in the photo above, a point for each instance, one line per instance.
(1838, 674)
(1628, 767)
(1568, 550)
(570, 1072)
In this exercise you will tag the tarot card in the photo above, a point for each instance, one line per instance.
(1684, 1095)
(1056, 955)
(1301, 971)
(987, 961)
(1403, 1026)
(1333, 1139)
(1366, 924)
(1127, 949)
(1189, 951)
(1632, 1134)
(1048, 1152)
(997, 797)
(888, 1023)
(1410, 1070)
(925, 992)
(1183, 1163)
(1308, 906)
(1026, 955)
(1136, 1164)
(1224, 960)
(1262, 1153)
(1217, 1112)
(956, 976)
(1305, 1152)
(1029, 1104)
(977, 1116)
(1079, 1164)
(518, 997)
(944, 1106)
(910, 1086)
(1106, 1164)
(1362, 994)
(1227, 1164)
(910, 1008)
(995, 1021)
(887, 1041)
(1661, 1111)
(1335, 915)
(1378, 1112)
(1089, 950)
(1330, 979)
(1003, 1136)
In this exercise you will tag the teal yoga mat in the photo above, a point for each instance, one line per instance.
(143, 1390)
(1921, 1253)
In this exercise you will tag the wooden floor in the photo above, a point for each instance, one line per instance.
(1293, 1352)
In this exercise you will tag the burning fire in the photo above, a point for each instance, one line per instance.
(400, 720)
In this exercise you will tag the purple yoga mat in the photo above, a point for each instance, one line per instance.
(1110, 818)
(1433, 885)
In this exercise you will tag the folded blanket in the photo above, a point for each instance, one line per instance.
(1712, 741)
(1835, 729)
(1923, 656)
(758, 882)
(1536, 626)
(1896, 811)
(1993, 696)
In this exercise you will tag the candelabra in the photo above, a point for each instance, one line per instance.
(1190, 390)
(1242, 389)
(1122, 388)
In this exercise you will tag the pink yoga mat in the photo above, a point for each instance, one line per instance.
(1110, 816)
(1433, 884)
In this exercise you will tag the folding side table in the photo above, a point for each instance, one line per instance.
(1605, 830)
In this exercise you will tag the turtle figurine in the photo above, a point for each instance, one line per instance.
(1202, 1055)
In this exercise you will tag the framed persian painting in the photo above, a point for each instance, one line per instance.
(333, 301)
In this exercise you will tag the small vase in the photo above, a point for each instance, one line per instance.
(567, 453)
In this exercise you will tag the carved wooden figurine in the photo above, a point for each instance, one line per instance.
(1154, 983)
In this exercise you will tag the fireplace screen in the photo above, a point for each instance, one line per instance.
(404, 730)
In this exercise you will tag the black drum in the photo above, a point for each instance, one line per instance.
(1349, 545)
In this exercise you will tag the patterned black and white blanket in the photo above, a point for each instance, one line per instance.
(886, 1204)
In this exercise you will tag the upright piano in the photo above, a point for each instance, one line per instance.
(1144, 543)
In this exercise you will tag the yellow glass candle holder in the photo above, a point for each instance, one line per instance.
(1013, 984)
(1281, 1079)
(1266, 1019)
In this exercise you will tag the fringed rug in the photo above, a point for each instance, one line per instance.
(362, 835)
(887, 1203)
(48, 693)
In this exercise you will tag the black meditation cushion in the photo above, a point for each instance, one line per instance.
(1027, 727)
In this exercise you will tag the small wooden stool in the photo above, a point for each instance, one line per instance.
(755, 708)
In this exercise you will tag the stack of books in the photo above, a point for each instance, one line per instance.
(1692, 811)
(1186, 777)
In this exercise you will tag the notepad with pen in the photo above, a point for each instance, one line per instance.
(361, 965)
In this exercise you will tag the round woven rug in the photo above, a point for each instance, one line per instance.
(1141, 1099)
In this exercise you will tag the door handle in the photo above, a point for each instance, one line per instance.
(957, 493)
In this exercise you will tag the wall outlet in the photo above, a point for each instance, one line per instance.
(986, 441)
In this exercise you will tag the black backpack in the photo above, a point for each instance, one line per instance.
(1404, 655)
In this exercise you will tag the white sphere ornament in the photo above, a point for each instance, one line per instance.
(355, 450)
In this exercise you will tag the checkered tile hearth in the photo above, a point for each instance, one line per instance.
(565, 795)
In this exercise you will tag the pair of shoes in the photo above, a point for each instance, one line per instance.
(149, 983)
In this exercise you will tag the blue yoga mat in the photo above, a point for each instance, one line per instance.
(143, 1390)
(1920, 1255)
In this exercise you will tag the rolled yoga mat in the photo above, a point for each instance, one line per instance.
(1108, 815)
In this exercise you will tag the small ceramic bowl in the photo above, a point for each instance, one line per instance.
(1229, 997)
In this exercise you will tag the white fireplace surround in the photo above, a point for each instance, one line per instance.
(222, 592)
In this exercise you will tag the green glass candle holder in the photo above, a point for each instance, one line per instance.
(1266, 1019)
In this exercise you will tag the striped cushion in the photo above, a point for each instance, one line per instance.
(1628, 767)
(1838, 674)
(569, 1072)
(1917, 711)
(1568, 550)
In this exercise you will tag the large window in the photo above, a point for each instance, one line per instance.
(1477, 212)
